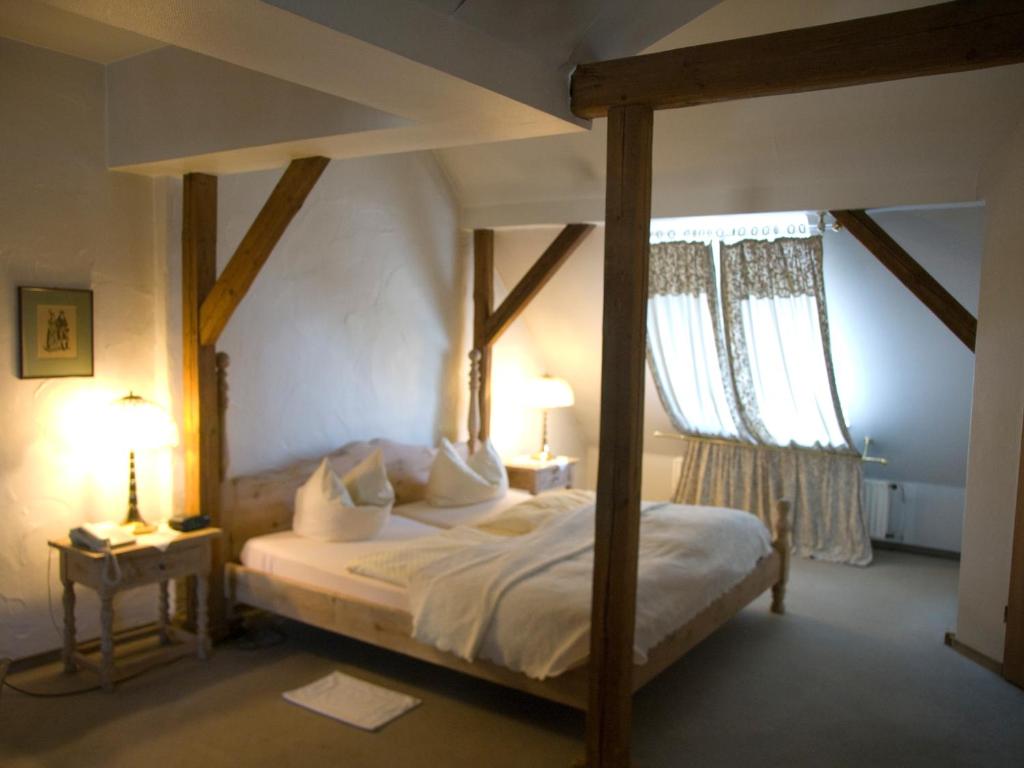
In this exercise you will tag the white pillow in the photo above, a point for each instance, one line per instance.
(455, 481)
(349, 508)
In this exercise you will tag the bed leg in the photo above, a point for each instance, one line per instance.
(781, 544)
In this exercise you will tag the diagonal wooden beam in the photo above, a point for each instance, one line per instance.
(254, 250)
(935, 39)
(915, 277)
(532, 282)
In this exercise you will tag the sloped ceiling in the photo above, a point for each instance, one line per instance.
(919, 141)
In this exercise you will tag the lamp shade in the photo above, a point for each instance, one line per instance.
(547, 392)
(138, 424)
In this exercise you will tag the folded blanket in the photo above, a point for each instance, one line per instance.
(524, 601)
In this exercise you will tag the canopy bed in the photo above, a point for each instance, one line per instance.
(950, 37)
(321, 583)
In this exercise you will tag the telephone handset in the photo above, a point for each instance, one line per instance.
(99, 536)
(103, 537)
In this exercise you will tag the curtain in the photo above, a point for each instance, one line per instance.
(776, 325)
(823, 489)
(689, 365)
(759, 375)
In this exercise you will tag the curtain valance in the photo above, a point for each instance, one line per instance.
(682, 268)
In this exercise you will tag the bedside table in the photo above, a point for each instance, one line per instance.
(535, 476)
(188, 554)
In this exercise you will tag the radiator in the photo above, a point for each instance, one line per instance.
(877, 503)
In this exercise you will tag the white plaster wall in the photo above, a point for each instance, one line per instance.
(359, 324)
(66, 221)
(928, 515)
(994, 457)
(903, 377)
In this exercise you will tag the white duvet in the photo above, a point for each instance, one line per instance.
(523, 601)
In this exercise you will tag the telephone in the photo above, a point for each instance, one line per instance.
(100, 536)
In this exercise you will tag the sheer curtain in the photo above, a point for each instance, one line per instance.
(776, 323)
(759, 379)
(693, 381)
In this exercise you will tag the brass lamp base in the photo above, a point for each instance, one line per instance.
(544, 454)
(133, 518)
(138, 526)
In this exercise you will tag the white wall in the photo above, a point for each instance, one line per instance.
(927, 515)
(359, 324)
(994, 459)
(903, 378)
(357, 327)
(66, 221)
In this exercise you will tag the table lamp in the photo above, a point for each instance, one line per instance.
(547, 393)
(140, 424)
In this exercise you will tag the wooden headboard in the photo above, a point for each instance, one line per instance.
(254, 505)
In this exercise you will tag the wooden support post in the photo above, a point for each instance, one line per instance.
(202, 435)
(483, 306)
(252, 253)
(616, 546)
(935, 39)
(916, 278)
(536, 278)
(1013, 649)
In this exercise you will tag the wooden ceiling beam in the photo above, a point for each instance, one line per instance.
(909, 272)
(535, 279)
(252, 253)
(933, 40)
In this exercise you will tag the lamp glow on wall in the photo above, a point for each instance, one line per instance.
(548, 393)
(138, 424)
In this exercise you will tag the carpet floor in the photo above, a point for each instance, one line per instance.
(856, 674)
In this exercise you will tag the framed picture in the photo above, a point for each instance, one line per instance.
(56, 332)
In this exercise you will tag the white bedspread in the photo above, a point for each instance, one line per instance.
(524, 601)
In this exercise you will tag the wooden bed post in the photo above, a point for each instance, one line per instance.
(490, 323)
(483, 306)
(202, 435)
(617, 534)
(781, 544)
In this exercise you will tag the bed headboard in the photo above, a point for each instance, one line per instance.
(254, 505)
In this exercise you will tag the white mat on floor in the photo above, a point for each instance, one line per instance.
(352, 701)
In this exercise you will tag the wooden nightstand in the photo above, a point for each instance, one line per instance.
(536, 476)
(189, 554)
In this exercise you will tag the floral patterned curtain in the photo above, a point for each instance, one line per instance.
(760, 376)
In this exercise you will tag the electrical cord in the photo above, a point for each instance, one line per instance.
(90, 689)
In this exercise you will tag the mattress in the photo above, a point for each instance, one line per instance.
(325, 563)
(470, 514)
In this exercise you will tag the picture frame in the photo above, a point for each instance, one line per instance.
(55, 330)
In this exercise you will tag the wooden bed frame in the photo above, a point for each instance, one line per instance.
(936, 39)
(391, 628)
